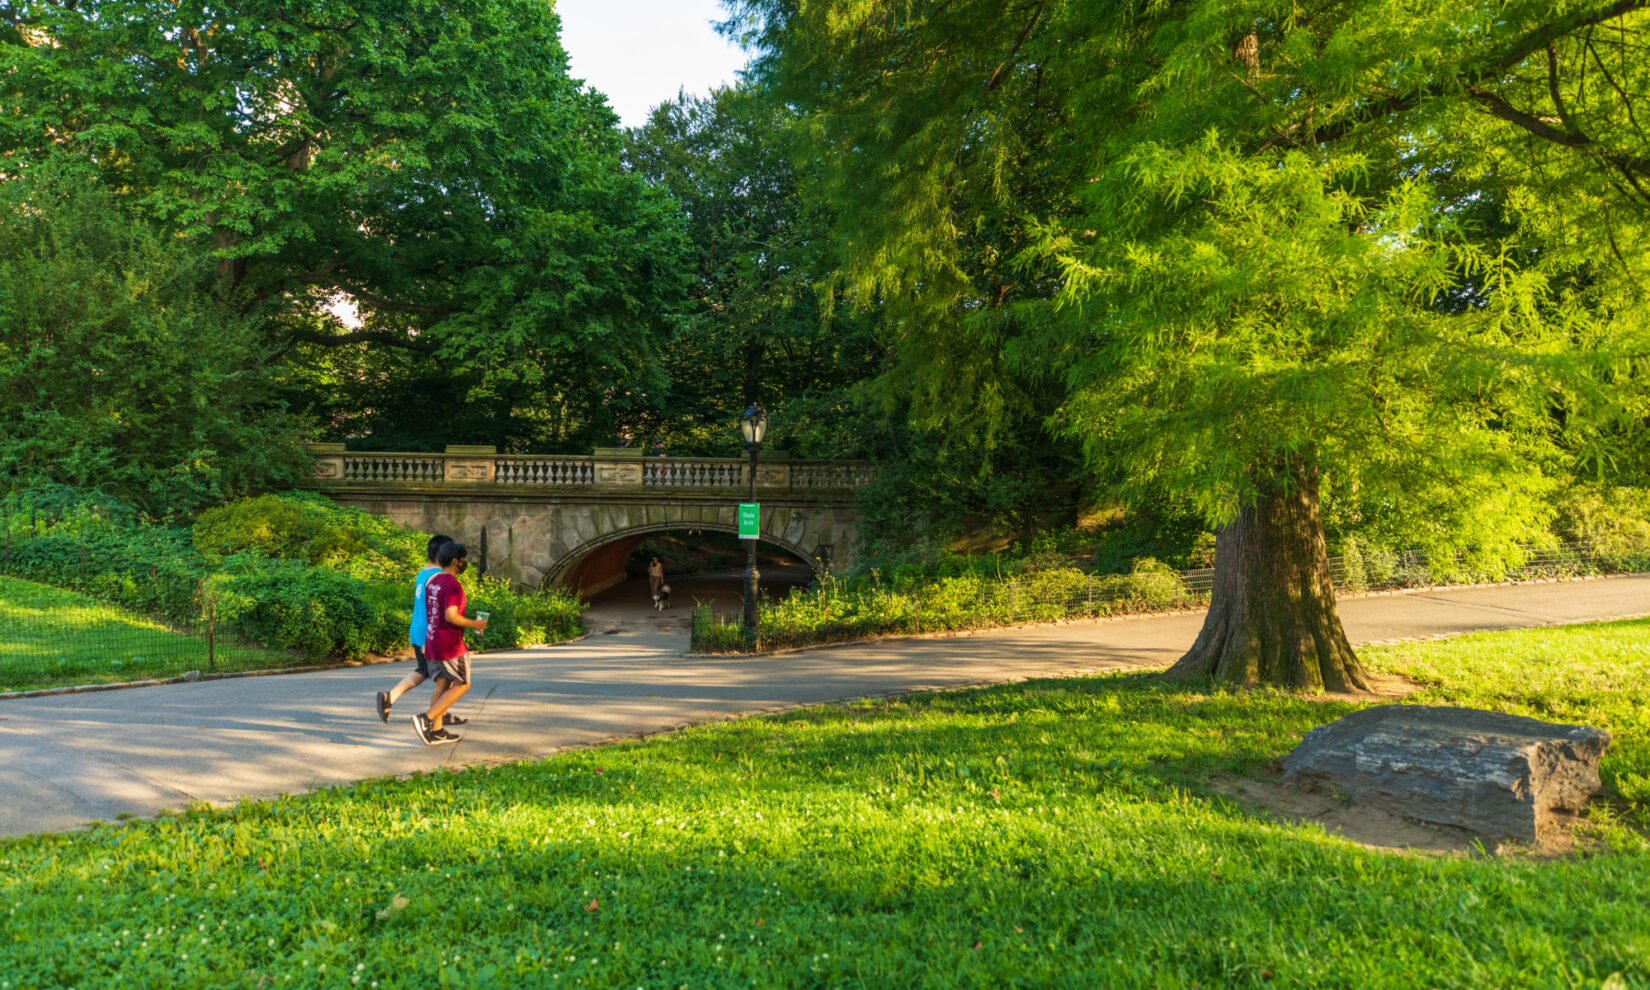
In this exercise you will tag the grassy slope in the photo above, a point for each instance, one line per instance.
(1053, 833)
(51, 637)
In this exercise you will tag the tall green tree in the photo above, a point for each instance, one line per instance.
(120, 370)
(430, 160)
(754, 329)
(1391, 249)
(765, 323)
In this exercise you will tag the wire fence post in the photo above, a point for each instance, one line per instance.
(1013, 599)
(211, 634)
(919, 612)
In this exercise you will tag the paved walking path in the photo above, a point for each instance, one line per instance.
(68, 759)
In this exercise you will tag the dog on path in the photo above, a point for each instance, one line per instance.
(661, 598)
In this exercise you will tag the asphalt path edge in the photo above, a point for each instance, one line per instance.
(1129, 616)
(196, 676)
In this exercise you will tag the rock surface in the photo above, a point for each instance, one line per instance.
(1500, 776)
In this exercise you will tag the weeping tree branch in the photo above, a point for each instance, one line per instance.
(1541, 128)
(997, 76)
(382, 338)
(1473, 82)
(387, 338)
(393, 306)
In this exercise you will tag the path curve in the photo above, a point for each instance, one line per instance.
(69, 759)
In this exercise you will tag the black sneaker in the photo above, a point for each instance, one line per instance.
(451, 719)
(443, 736)
(384, 705)
(426, 732)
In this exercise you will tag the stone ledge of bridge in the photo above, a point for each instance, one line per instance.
(611, 471)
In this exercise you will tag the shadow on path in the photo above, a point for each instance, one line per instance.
(69, 758)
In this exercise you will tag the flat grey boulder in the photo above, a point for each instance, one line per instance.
(1500, 776)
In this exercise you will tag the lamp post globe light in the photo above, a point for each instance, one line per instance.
(753, 425)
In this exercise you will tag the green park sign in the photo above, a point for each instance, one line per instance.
(749, 516)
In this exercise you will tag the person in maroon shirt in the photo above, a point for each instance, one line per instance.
(444, 642)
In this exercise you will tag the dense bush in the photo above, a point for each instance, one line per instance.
(1111, 548)
(1613, 522)
(517, 618)
(119, 367)
(313, 611)
(106, 552)
(289, 571)
(836, 610)
(312, 529)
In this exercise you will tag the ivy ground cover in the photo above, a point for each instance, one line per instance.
(1049, 833)
(50, 637)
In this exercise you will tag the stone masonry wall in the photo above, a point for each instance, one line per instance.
(538, 542)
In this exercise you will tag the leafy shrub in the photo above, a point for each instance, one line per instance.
(1354, 576)
(868, 606)
(290, 571)
(313, 529)
(712, 635)
(310, 610)
(1613, 521)
(116, 368)
(148, 568)
(518, 618)
(1202, 553)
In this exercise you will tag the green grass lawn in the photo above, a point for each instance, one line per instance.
(51, 637)
(1051, 833)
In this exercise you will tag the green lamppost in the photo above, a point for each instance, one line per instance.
(754, 426)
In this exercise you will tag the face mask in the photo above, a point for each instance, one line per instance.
(463, 565)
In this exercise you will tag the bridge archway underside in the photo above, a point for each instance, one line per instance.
(557, 541)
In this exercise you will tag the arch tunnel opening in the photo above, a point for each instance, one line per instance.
(700, 563)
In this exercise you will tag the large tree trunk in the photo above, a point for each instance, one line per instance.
(1272, 617)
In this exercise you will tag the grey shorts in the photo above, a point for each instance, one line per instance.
(456, 670)
(423, 665)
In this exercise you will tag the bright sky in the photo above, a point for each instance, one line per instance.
(640, 52)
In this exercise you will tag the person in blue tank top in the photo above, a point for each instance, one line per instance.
(416, 632)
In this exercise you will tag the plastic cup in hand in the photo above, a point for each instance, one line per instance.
(481, 616)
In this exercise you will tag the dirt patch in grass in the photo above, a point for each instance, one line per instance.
(1382, 687)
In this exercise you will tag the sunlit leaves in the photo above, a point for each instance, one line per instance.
(1255, 234)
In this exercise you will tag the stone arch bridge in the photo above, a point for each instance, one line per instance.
(572, 521)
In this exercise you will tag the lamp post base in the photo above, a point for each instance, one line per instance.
(751, 589)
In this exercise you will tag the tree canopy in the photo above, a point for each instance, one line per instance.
(433, 162)
(120, 370)
(754, 328)
(1396, 250)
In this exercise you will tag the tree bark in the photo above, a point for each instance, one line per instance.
(755, 351)
(1272, 617)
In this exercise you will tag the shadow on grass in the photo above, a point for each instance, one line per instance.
(1053, 832)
